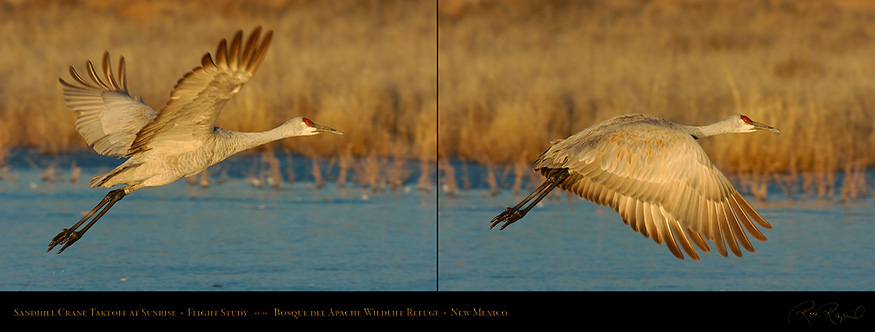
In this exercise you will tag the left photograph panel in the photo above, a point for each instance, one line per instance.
(218, 145)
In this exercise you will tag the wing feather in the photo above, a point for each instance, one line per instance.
(107, 116)
(199, 96)
(660, 181)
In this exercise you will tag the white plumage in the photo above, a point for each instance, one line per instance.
(181, 140)
(657, 177)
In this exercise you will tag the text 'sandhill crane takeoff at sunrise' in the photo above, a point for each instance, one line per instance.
(654, 173)
(178, 141)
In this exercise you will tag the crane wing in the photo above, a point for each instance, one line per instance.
(199, 96)
(107, 116)
(661, 183)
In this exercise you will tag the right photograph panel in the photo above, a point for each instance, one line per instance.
(655, 145)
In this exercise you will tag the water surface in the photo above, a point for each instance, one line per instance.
(229, 236)
(567, 243)
(235, 236)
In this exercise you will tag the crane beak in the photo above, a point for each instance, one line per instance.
(323, 129)
(761, 126)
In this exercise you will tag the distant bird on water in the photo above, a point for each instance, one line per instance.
(178, 141)
(654, 173)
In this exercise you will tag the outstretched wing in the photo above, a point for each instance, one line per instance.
(199, 96)
(106, 114)
(661, 182)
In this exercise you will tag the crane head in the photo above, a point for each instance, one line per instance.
(747, 125)
(302, 126)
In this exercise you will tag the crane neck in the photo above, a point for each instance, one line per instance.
(717, 128)
(229, 142)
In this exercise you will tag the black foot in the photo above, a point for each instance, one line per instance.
(517, 212)
(67, 237)
(509, 216)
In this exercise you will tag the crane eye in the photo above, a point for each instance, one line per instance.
(308, 122)
(745, 119)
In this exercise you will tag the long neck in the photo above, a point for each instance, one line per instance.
(229, 142)
(717, 128)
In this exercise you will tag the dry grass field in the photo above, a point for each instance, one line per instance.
(515, 74)
(365, 67)
(486, 81)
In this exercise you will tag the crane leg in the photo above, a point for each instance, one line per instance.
(69, 235)
(512, 214)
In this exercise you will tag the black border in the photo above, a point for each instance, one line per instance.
(680, 309)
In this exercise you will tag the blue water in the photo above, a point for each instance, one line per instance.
(229, 236)
(233, 236)
(570, 244)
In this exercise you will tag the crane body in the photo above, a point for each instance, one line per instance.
(657, 177)
(179, 141)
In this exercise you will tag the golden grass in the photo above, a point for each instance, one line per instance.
(516, 74)
(365, 67)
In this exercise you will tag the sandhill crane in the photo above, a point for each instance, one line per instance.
(177, 142)
(657, 177)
